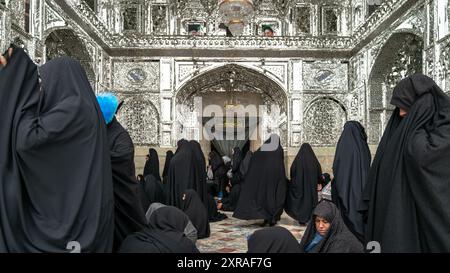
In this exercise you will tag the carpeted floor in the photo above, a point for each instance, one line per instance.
(230, 235)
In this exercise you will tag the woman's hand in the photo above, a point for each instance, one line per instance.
(3, 59)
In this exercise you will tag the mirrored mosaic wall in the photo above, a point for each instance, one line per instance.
(329, 62)
(307, 17)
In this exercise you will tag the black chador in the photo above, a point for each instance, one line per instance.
(302, 196)
(181, 174)
(164, 234)
(129, 216)
(187, 170)
(350, 167)
(264, 190)
(407, 196)
(55, 168)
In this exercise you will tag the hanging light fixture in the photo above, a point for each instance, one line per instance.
(231, 102)
(236, 14)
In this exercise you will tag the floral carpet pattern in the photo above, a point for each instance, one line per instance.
(230, 235)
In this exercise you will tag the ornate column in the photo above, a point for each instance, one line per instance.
(5, 27)
(166, 94)
(296, 115)
(430, 56)
(443, 44)
(35, 47)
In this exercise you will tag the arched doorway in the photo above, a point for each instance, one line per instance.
(235, 96)
(400, 56)
(64, 42)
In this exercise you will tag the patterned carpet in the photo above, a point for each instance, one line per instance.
(230, 235)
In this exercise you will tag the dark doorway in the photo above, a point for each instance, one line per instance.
(244, 149)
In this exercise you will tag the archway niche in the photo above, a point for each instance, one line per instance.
(401, 56)
(64, 42)
(240, 97)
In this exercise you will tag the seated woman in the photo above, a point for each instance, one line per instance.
(229, 203)
(327, 233)
(325, 179)
(193, 206)
(213, 214)
(164, 234)
(190, 231)
(151, 191)
(273, 240)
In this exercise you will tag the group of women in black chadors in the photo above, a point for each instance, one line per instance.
(50, 114)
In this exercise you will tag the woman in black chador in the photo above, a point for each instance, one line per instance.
(236, 167)
(151, 188)
(272, 240)
(181, 174)
(164, 234)
(129, 216)
(200, 171)
(169, 155)
(406, 199)
(306, 174)
(152, 164)
(55, 168)
(229, 203)
(350, 167)
(219, 170)
(264, 190)
(197, 212)
(327, 232)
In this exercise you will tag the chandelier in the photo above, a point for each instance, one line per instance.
(236, 14)
(231, 102)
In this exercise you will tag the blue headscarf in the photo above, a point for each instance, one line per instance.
(108, 103)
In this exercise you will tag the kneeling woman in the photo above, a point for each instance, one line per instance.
(164, 234)
(327, 233)
(192, 205)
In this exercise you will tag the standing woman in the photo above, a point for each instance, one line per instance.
(45, 203)
(152, 187)
(302, 196)
(264, 190)
(245, 163)
(408, 191)
(236, 166)
(219, 170)
(181, 175)
(169, 155)
(351, 167)
(239, 168)
(152, 164)
(199, 184)
(129, 216)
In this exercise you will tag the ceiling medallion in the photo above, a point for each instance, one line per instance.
(136, 75)
(324, 76)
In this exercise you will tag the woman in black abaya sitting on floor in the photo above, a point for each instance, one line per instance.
(164, 234)
(327, 232)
